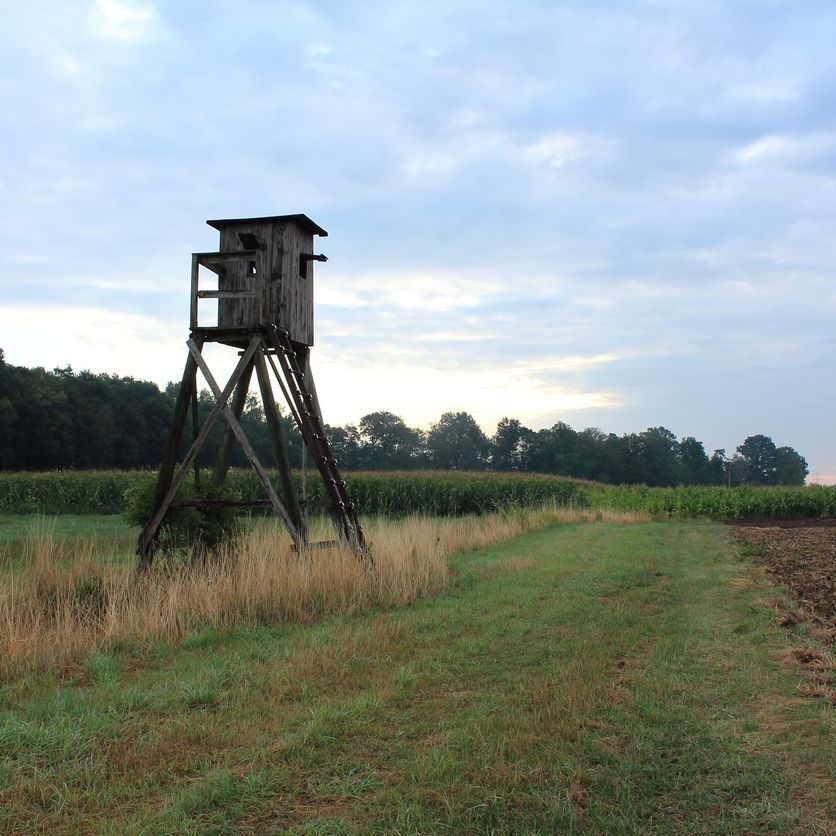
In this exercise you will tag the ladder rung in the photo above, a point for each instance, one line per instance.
(316, 439)
(320, 544)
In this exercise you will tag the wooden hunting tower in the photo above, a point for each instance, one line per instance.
(264, 275)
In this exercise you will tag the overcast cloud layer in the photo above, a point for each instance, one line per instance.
(614, 214)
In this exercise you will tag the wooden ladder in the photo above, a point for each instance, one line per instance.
(306, 412)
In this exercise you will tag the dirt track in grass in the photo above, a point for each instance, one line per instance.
(801, 555)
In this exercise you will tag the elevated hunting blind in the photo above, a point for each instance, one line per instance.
(263, 277)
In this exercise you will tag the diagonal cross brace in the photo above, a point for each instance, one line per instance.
(232, 423)
(153, 526)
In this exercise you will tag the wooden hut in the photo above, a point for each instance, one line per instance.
(264, 270)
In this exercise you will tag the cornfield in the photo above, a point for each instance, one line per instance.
(391, 494)
(718, 502)
(434, 493)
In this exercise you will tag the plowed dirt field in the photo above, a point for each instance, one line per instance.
(800, 554)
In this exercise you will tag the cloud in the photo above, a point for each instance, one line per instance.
(136, 284)
(441, 291)
(337, 297)
(572, 363)
(67, 66)
(785, 147)
(559, 149)
(418, 164)
(122, 21)
(420, 393)
(95, 339)
(578, 198)
(465, 119)
(319, 50)
(776, 90)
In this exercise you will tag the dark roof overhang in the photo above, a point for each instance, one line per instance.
(302, 220)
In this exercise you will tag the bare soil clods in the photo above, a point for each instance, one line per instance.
(801, 555)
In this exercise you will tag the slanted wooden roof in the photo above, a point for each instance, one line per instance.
(302, 220)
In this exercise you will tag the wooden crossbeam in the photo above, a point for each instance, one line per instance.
(150, 531)
(210, 259)
(225, 294)
(239, 401)
(222, 503)
(322, 544)
(233, 424)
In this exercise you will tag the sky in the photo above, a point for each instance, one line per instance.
(613, 214)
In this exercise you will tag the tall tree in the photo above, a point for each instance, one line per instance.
(759, 460)
(456, 442)
(598, 456)
(8, 422)
(345, 442)
(85, 420)
(43, 437)
(717, 466)
(510, 445)
(694, 466)
(387, 443)
(569, 451)
(791, 467)
(656, 454)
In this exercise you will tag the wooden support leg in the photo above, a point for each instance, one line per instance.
(277, 437)
(238, 403)
(303, 504)
(147, 545)
(232, 422)
(195, 431)
(147, 538)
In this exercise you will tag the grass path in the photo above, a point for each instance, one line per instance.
(592, 678)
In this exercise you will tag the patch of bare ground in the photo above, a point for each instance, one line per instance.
(802, 558)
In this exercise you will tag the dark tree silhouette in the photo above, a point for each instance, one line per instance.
(760, 466)
(456, 442)
(386, 442)
(510, 445)
(64, 419)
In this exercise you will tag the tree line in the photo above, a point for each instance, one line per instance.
(62, 419)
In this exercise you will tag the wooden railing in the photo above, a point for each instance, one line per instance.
(215, 262)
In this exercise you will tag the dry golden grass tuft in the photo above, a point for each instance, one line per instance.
(68, 600)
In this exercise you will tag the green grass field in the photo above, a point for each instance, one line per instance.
(581, 678)
(16, 529)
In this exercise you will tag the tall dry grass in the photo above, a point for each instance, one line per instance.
(59, 606)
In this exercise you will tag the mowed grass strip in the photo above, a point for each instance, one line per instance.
(595, 678)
